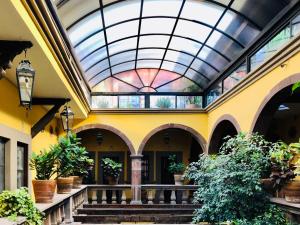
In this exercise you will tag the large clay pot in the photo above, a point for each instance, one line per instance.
(178, 178)
(292, 191)
(64, 185)
(44, 190)
(77, 182)
(112, 180)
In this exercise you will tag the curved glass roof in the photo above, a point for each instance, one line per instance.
(160, 45)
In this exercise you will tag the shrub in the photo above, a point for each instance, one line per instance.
(175, 167)
(111, 168)
(18, 203)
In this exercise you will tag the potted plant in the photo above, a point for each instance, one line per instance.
(177, 169)
(19, 203)
(163, 102)
(44, 165)
(112, 170)
(66, 164)
(193, 102)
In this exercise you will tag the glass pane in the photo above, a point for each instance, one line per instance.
(235, 77)
(157, 26)
(132, 102)
(270, 48)
(2, 165)
(151, 53)
(121, 11)
(214, 58)
(181, 85)
(104, 102)
(147, 75)
(147, 89)
(238, 28)
(152, 41)
(179, 57)
(185, 45)
(93, 58)
(197, 77)
(161, 8)
(142, 64)
(122, 57)
(123, 67)
(296, 26)
(192, 30)
(120, 46)
(97, 69)
(122, 30)
(204, 68)
(20, 166)
(224, 45)
(100, 77)
(162, 102)
(214, 93)
(189, 102)
(202, 11)
(89, 45)
(177, 68)
(85, 27)
(113, 85)
(163, 77)
(130, 77)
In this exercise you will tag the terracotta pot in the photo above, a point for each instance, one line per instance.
(292, 191)
(178, 179)
(77, 182)
(268, 185)
(112, 180)
(64, 185)
(44, 190)
(191, 106)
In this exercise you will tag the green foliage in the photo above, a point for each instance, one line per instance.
(111, 168)
(194, 100)
(229, 183)
(163, 102)
(296, 86)
(175, 167)
(44, 163)
(18, 203)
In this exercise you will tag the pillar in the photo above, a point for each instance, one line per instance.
(136, 178)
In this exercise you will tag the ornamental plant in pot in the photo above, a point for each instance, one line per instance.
(44, 164)
(112, 170)
(177, 169)
(66, 164)
(164, 103)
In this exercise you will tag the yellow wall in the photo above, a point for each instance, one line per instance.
(137, 126)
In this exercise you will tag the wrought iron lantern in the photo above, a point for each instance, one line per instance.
(25, 79)
(67, 118)
(99, 138)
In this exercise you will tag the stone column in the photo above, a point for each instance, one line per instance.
(136, 178)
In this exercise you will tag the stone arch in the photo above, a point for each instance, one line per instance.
(225, 121)
(108, 128)
(277, 88)
(199, 138)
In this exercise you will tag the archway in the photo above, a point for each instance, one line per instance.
(279, 115)
(225, 126)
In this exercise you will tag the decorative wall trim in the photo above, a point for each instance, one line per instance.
(108, 128)
(200, 139)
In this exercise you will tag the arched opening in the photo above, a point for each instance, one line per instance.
(106, 143)
(280, 116)
(223, 129)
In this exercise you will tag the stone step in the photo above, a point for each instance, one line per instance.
(134, 218)
(170, 206)
(136, 211)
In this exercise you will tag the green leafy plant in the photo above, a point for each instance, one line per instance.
(229, 183)
(19, 203)
(83, 162)
(163, 102)
(296, 86)
(44, 163)
(175, 167)
(194, 100)
(111, 168)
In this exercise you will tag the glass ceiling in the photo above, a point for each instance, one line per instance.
(160, 45)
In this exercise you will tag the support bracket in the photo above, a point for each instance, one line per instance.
(56, 102)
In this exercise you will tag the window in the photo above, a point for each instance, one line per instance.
(188, 102)
(214, 93)
(235, 77)
(163, 102)
(22, 165)
(131, 102)
(2, 164)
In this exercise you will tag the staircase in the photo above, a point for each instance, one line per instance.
(118, 213)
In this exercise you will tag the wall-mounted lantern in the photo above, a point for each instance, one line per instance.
(99, 138)
(67, 118)
(25, 79)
